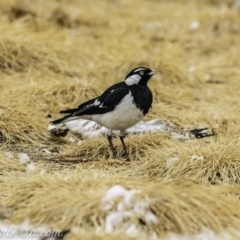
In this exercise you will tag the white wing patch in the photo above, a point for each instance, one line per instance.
(134, 79)
(101, 106)
(96, 102)
(139, 69)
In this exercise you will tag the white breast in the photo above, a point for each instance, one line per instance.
(125, 115)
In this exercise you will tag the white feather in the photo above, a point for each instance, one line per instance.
(133, 79)
(139, 69)
(96, 102)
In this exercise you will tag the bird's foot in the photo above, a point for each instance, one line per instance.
(126, 156)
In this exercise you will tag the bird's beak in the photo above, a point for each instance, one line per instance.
(154, 72)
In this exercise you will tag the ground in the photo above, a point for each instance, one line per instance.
(57, 54)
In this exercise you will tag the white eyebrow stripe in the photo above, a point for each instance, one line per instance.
(139, 69)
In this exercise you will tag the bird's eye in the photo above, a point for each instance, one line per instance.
(142, 72)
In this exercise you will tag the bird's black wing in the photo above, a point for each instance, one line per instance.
(104, 103)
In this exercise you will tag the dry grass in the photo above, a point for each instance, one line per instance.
(57, 54)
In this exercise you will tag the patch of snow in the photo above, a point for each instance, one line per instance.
(149, 126)
(194, 25)
(150, 217)
(132, 230)
(85, 128)
(31, 167)
(23, 157)
(114, 219)
(88, 129)
(121, 205)
(116, 192)
(129, 195)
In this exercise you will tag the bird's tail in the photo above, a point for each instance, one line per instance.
(69, 111)
(65, 119)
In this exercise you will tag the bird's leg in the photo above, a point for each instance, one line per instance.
(109, 136)
(122, 135)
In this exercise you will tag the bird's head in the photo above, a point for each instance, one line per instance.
(139, 76)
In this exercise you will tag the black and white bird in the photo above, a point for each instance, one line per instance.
(120, 107)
